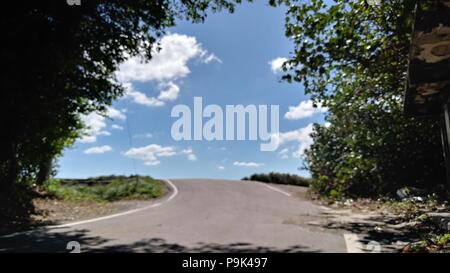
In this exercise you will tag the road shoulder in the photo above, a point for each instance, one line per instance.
(52, 211)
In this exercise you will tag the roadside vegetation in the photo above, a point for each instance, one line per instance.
(105, 188)
(66, 199)
(279, 178)
(435, 243)
(356, 67)
(368, 149)
(421, 221)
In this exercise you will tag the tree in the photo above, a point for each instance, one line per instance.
(351, 56)
(59, 63)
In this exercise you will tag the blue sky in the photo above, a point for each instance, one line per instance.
(226, 60)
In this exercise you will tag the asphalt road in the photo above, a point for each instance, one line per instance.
(196, 216)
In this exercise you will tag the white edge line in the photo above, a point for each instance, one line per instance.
(277, 190)
(174, 193)
(353, 244)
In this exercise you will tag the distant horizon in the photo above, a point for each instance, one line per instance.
(194, 178)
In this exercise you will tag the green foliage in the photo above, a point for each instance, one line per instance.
(434, 244)
(60, 63)
(351, 57)
(280, 178)
(105, 188)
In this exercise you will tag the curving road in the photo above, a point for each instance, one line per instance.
(197, 216)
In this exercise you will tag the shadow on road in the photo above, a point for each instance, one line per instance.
(158, 245)
(44, 240)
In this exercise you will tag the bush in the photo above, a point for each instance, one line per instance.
(358, 72)
(280, 178)
(367, 154)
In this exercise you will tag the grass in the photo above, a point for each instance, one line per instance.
(105, 188)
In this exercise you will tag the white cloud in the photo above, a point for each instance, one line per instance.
(284, 154)
(115, 114)
(302, 136)
(143, 135)
(169, 92)
(221, 168)
(95, 124)
(98, 150)
(190, 154)
(151, 154)
(167, 65)
(299, 135)
(303, 110)
(192, 157)
(117, 127)
(140, 97)
(276, 65)
(88, 139)
(152, 163)
(211, 58)
(247, 164)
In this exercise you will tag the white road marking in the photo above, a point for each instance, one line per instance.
(174, 193)
(175, 190)
(276, 189)
(353, 244)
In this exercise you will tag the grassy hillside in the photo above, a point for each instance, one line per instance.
(106, 188)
